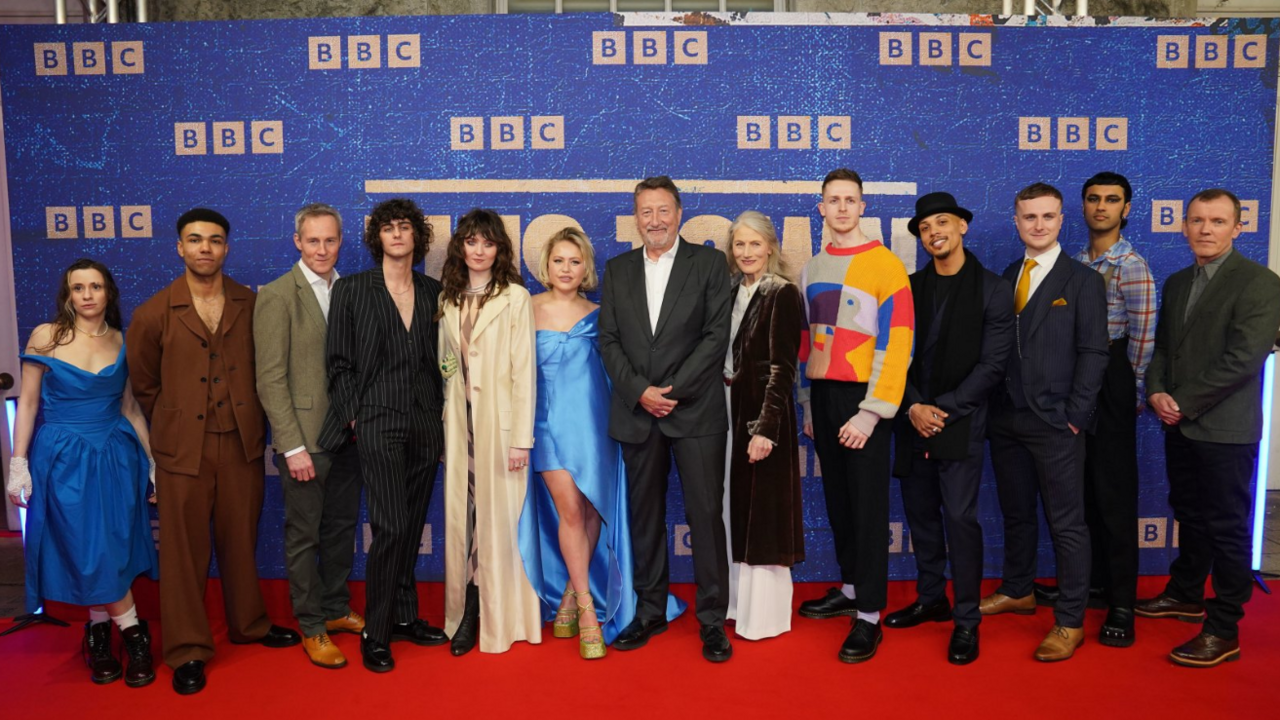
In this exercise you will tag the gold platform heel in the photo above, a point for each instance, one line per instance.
(566, 623)
(589, 649)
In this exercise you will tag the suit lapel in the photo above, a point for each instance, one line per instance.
(1208, 299)
(679, 273)
(1050, 289)
(488, 312)
(181, 304)
(308, 298)
(635, 278)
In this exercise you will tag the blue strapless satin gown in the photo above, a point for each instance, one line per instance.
(88, 526)
(571, 432)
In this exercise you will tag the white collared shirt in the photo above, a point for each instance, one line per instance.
(656, 274)
(319, 287)
(1044, 263)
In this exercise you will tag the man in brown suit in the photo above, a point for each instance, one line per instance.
(191, 361)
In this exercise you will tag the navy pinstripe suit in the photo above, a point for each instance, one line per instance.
(1052, 379)
(387, 380)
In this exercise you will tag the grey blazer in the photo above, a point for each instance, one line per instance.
(289, 336)
(1211, 363)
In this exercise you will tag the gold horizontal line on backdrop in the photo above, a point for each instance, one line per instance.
(626, 187)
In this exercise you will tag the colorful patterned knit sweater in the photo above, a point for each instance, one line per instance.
(861, 326)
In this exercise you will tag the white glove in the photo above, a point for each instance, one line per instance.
(151, 473)
(19, 486)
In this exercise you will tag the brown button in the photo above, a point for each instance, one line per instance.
(199, 417)
(219, 403)
(475, 354)
(475, 389)
(217, 380)
(204, 379)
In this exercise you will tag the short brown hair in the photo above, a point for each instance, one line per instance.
(1037, 190)
(570, 235)
(1216, 194)
(660, 182)
(841, 174)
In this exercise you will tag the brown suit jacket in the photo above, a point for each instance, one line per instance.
(169, 369)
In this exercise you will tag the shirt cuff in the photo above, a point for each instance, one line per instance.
(295, 451)
(865, 421)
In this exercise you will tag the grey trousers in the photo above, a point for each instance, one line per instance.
(319, 536)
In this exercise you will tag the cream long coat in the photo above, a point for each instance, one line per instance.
(503, 382)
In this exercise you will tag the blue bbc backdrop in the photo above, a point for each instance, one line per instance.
(112, 131)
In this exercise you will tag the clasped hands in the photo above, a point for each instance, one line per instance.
(927, 419)
(1166, 408)
(656, 403)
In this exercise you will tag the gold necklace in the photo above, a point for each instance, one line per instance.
(105, 328)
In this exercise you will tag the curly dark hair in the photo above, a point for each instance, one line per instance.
(64, 320)
(454, 276)
(398, 209)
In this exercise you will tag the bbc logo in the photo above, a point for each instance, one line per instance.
(936, 49)
(794, 132)
(364, 52)
(1167, 215)
(683, 540)
(649, 47)
(98, 221)
(1073, 133)
(545, 132)
(90, 58)
(266, 137)
(1211, 52)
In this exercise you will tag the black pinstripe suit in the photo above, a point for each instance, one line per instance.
(387, 380)
(1052, 380)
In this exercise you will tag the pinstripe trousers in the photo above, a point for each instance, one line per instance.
(399, 455)
(1032, 458)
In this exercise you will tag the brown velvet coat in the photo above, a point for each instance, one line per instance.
(766, 526)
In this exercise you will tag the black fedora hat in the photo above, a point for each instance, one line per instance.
(932, 204)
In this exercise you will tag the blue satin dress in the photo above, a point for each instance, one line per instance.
(571, 432)
(88, 527)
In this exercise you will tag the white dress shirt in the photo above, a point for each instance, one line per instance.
(321, 289)
(1044, 263)
(656, 274)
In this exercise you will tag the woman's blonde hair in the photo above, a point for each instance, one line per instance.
(760, 223)
(570, 234)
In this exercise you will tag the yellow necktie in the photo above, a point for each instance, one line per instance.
(1024, 287)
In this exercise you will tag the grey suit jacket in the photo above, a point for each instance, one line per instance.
(1211, 363)
(289, 336)
(687, 351)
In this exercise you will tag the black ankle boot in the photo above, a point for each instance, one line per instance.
(98, 655)
(464, 639)
(137, 645)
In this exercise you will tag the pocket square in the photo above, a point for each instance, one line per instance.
(1060, 302)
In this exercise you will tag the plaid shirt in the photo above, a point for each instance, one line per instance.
(1131, 304)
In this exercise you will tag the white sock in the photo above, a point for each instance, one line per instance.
(127, 619)
(849, 592)
(872, 618)
(98, 615)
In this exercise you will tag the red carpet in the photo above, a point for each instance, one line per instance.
(797, 675)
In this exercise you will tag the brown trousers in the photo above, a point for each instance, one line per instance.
(227, 492)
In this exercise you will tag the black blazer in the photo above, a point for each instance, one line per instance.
(966, 402)
(1211, 363)
(362, 316)
(1060, 343)
(687, 351)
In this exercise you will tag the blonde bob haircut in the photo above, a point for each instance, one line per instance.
(570, 234)
(759, 222)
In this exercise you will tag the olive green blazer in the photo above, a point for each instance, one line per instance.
(289, 336)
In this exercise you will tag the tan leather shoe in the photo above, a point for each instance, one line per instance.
(1060, 644)
(349, 623)
(995, 603)
(323, 652)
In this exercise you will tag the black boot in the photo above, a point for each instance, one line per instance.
(98, 655)
(464, 639)
(137, 645)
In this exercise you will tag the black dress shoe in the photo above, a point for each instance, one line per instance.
(276, 637)
(637, 634)
(916, 614)
(1163, 606)
(464, 638)
(963, 648)
(137, 645)
(833, 604)
(103, 666)
(715, 644)
(376, 655)
(1205, 650)
(188, 678)
(418, 632)
(1117, 630)
(861, 644)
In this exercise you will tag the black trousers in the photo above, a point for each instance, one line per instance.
(320, 518)
(700, 461)
(856, 486)
(1111, 482)
(1210, 488)
(1032, 458)
(399, 454)
(942, 494)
